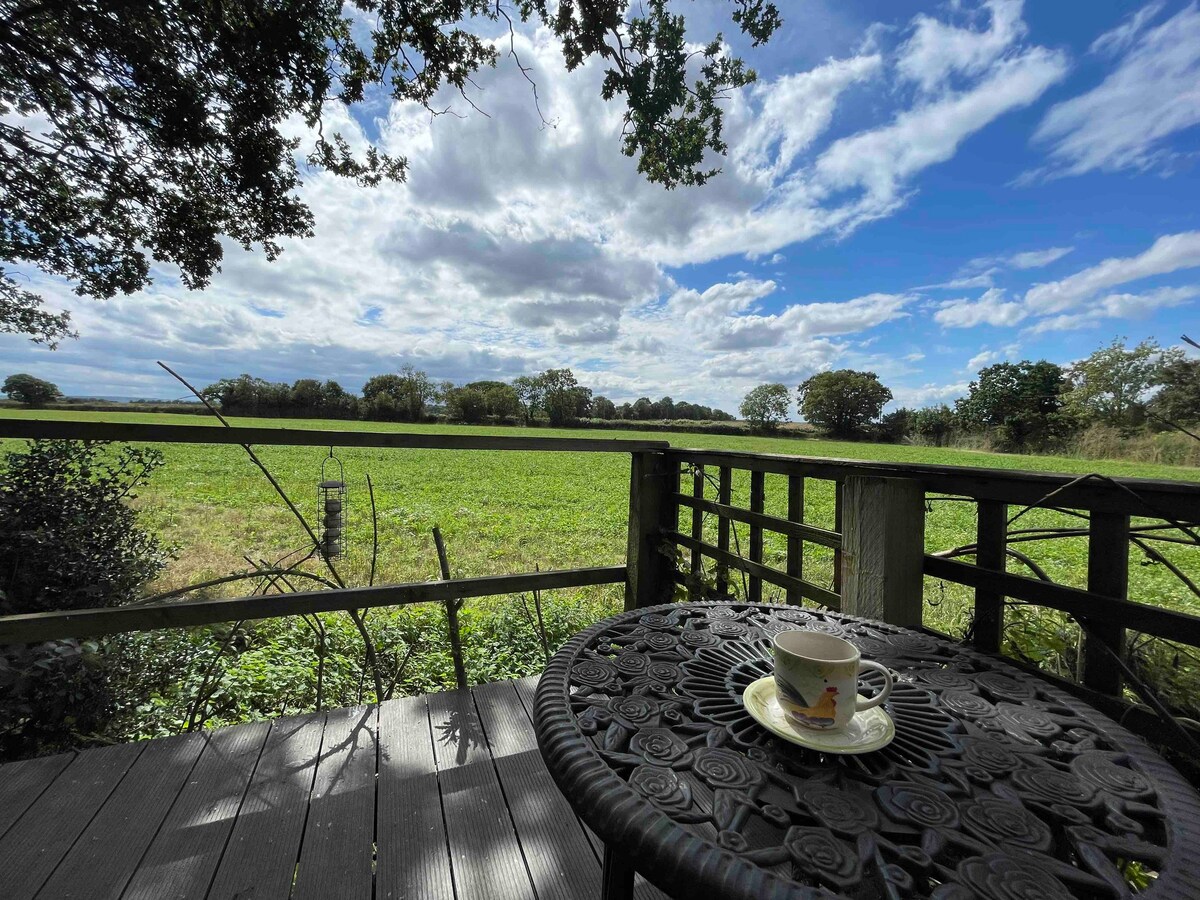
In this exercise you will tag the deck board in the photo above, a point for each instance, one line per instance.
(260, 858)
(32, 848)
(438, 797)
(21, 783)
(561, 862)
(485, 855)
(182, 859)
(337, 852)
(107, 854)
(414, 862)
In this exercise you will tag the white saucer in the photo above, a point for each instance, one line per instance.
(871, 729)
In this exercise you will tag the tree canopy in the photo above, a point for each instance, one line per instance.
(1112, 384)
(844, 401)
(766, 406)
(1178, 398)
(29, 390)
(1022, 404)
(131, 133)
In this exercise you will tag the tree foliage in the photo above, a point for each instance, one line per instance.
(1178, 398)
(479, 401)
(1021, 404)
(139, 132)
(895, 426)
(603, 408)
(29, 390)
(70, 541)
(933, 424)
(843, 402)
(307, 397)
(563, 398)
(1111, 385)
(766, 406)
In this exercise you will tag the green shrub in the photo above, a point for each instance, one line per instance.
(70, 541)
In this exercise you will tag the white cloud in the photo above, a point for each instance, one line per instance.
(990, 309)
(986, 357)
(1124, 123)
(879, 163)
(981, 359)
(982, 270)
(1036, 259)
(793, 111)
(1169, 253)
(1117, 306)
(982, 280)
(929, 394)
(937, 50)
(515, 246)
(1118, 39)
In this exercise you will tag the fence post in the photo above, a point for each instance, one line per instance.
(758, 499)
(883, 548)
(1108, 574)
(653, 479)
(725, 497)
(990, 536)
(795, 547)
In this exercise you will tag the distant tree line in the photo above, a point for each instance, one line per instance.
(1017, 406)
(554, 396)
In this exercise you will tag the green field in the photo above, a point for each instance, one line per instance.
(506, 512)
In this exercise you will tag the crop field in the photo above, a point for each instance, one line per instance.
(503, 512)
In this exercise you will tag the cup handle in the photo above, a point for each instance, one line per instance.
(887, 687)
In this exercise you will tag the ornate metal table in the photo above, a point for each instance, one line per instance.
(997, 784)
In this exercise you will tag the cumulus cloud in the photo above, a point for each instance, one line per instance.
(990, 309)
(1124, 122)
(517, 245)
(929, 394)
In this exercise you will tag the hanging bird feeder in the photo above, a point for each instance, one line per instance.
(331, 504)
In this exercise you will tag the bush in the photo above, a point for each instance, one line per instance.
(70, 542)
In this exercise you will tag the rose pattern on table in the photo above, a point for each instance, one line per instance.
(662, 787)
(992, 776)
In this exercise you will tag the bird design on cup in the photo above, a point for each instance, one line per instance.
(821, 714)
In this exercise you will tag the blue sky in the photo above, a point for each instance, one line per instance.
(918, 189)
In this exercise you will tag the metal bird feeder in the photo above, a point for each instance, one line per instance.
(331, 504)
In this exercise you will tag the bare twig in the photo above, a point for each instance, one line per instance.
(452, 607)
(374, 531)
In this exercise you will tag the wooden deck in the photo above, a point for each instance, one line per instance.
(439, 797)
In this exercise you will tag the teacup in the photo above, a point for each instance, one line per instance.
(816, 679)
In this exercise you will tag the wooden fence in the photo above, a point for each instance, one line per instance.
(877, 539)
(879, 544)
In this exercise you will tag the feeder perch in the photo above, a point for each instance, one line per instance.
(331, 505)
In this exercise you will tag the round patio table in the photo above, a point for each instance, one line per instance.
(996, 785)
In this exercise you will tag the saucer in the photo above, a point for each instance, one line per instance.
(870, 729)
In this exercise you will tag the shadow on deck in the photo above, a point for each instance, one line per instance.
(439, 797)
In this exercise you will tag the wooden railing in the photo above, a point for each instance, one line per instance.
(876, 539)
(36, 627)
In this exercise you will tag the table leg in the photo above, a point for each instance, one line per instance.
(618, 876)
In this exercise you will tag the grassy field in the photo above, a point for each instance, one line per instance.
(511, 511)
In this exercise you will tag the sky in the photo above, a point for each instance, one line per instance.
(915, 189)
